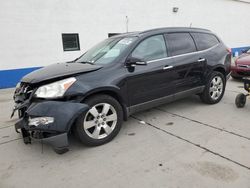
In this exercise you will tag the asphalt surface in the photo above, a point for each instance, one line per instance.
(182, 144)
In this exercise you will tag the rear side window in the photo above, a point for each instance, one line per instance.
(180, 43)
(204, 41)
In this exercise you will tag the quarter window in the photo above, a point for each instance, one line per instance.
(180, 43)
(151, 48)
(204, 41)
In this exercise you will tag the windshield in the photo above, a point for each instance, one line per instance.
(106, 51)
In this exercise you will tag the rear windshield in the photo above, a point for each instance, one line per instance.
(204, 40)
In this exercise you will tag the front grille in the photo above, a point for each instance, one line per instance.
(23, 93)
(27, 90)
(244, 66)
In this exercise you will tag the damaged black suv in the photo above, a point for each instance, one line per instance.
(92, 95)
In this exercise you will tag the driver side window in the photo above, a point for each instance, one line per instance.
(151, 48)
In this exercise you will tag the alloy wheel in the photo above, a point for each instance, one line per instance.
(216, 87)
(100, 121)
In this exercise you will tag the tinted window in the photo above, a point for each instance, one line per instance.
(151, 48)
(180, 43)
(204, 41)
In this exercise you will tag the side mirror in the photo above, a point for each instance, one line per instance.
(132, 62)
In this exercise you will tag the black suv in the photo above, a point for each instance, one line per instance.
(124, 74)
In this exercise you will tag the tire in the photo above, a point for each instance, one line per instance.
(240, 100)
(216, 84)
(101, 123)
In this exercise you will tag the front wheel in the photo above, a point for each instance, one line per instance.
(101, 123)
(214, 89)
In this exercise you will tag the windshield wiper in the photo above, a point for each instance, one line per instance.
(86, 62)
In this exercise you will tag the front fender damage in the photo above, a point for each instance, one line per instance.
(50, 122)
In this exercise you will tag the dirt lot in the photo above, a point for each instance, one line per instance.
(182, 144)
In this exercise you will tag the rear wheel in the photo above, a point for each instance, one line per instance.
(240, 100)
(101, 123)
(214, 89)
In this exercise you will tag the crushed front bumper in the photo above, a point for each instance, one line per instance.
(53, 132)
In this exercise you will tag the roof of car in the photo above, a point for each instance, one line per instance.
(175, 29)
(163, 30)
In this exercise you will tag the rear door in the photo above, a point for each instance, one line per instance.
(208, 47)
(189, 65)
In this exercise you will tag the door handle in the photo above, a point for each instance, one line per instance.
(201, 60)
(167, 67)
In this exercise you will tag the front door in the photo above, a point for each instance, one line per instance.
(155, 80)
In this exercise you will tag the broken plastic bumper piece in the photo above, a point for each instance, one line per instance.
(50, 122)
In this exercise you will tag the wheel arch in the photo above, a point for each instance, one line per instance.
(220, 69)
(111, 91)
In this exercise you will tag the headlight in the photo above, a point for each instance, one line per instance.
(56, 89)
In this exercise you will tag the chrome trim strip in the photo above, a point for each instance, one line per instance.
(165, 58)
(243, 66)
(202, 60)
(168, 67)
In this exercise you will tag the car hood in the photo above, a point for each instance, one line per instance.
(243, 59)
(58, 70)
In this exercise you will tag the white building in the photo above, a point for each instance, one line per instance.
(31, 30)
